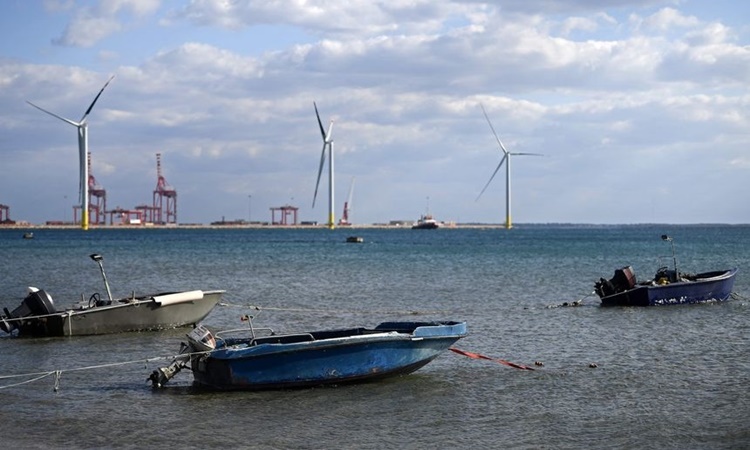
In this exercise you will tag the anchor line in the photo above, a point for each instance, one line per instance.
(473, 355)
(257, 308)
(46, 374)
(58, 372)
(327, 311)
(578, 302)
(34, 317)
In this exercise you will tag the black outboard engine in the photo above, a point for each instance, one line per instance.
(623, 280)
(37, 303)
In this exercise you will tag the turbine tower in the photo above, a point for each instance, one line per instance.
(327, 144)
(83, 148)
(506, 160)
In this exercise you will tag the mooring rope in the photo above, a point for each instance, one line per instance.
(58, 372)
(578, 302)
(44, 375)
(328, 311)
(473, 355)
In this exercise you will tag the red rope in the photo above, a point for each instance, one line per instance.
(501, 361)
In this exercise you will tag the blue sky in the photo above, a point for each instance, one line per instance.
(641, 107)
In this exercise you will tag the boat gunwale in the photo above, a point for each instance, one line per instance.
(244, 347)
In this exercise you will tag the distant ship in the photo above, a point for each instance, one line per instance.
(426, 222)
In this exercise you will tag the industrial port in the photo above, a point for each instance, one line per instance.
(161, 211)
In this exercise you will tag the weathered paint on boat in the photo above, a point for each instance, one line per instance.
(700, 288)
(320, 357)
(155, 312)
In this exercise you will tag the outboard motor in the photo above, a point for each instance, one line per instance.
(623, 280)
(37, 303)
(199, 340)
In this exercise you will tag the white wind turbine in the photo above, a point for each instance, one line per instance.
(83, 148)
(347, 206)
(506, 160)
(327, 145)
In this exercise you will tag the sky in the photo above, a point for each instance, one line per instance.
(639, 108)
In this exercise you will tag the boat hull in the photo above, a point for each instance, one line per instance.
(163, 311)
(332, 357)
(425, 226)
(706, 287)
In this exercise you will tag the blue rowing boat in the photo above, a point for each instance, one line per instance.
(280, 361)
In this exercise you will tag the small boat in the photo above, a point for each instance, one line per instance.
(279, 361)
(37, 315)
(355, 239)
(667, 287)
(426, 222)
(28, 235)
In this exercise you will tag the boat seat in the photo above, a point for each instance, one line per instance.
(283, 339)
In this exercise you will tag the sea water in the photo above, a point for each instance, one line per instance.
(661, 377)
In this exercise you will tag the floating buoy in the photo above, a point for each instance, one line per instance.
(593, 365)
(538, 363)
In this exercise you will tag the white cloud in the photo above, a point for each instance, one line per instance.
(607, 100)
(667, 19)
(91, 24)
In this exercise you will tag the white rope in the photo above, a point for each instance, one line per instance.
(34, 317)
(328, 311)
(27, 381)
(58, 373)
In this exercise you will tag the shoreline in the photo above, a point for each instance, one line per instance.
(267, 226)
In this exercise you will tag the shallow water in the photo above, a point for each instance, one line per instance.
(672, 377)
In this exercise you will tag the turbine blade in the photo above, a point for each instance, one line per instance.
(493, 130)
(527, 154)
(54, 115)
(351, 191)
(493, 176)
(322, 130)
(95, 99)
(327, 137)
(320, 171)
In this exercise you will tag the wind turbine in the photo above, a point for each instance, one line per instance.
(347, 206)
(506, 160)
(83, 148)
(327, 144)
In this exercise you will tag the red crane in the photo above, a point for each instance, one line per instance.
(97, 199)
(4, 214)
(165, 198)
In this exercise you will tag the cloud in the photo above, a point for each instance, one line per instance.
(322, 17)
(91, 24)
(611, 98)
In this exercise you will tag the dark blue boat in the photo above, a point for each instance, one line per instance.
(665, 289)
(668, 287)
(313, 358)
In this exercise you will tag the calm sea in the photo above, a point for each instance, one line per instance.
(670, 377)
